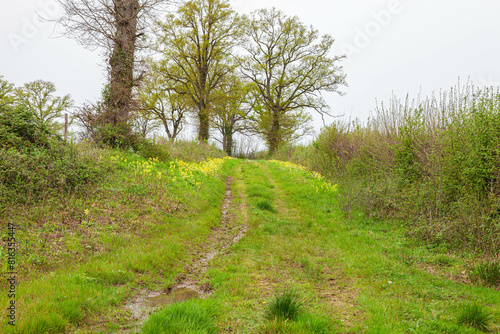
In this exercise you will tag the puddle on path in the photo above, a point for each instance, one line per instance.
(175, 296)
(146, 303)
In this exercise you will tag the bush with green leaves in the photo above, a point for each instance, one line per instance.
(148, 149)
(432, 162)
(190, 150)
(35, 162)
(33, 175)
(19, 129)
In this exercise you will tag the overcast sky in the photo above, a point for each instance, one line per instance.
(398, 46)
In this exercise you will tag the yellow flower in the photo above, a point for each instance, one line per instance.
(86, 212)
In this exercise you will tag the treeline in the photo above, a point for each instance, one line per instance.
(432, 162)
(259, 74)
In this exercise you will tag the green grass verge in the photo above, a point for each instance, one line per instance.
(193, 316)
(352, 276)
(135, 231)
(356, 276)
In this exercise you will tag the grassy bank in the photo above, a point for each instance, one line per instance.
(81, 253)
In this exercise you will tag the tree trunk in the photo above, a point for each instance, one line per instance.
(122, 61)
(204, 122)
(167, 130)
(274, 133)
(227, 140)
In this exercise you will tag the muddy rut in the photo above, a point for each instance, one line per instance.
(188, 284)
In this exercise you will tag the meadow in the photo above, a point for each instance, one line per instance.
(301, 265)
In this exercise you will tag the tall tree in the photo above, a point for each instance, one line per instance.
(38, 97)
(289, 66)
(119, 27)
(196, 45)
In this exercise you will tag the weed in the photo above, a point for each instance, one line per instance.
(475, 316)
(443, 260)
(486, 273)
(285, 306)
(265, 205)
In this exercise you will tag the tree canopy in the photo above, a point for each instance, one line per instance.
(289, 66)
(264, 72)
(196, 47)
(38, 97)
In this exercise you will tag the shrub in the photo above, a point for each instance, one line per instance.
(35, 161)
(19, 129)
(115, 135)
(147, 149)
(432, 162)
(26, 176)
(190, 151)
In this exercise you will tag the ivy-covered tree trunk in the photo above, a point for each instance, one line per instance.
(122, 61)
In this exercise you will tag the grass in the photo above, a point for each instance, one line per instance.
(190, 317)
(84, 255)
(305, 324)
(284, 306)
(486, 273)
(265, 205)
(357, 275)
(476, 316)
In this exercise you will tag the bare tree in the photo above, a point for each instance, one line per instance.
(144, 123)
(88, 116)
(289, 67)
(120, 28)
(161, 102)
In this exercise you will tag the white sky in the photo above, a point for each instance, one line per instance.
(398, 46)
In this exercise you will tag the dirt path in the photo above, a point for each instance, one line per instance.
(189, 284)
(221, 238)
